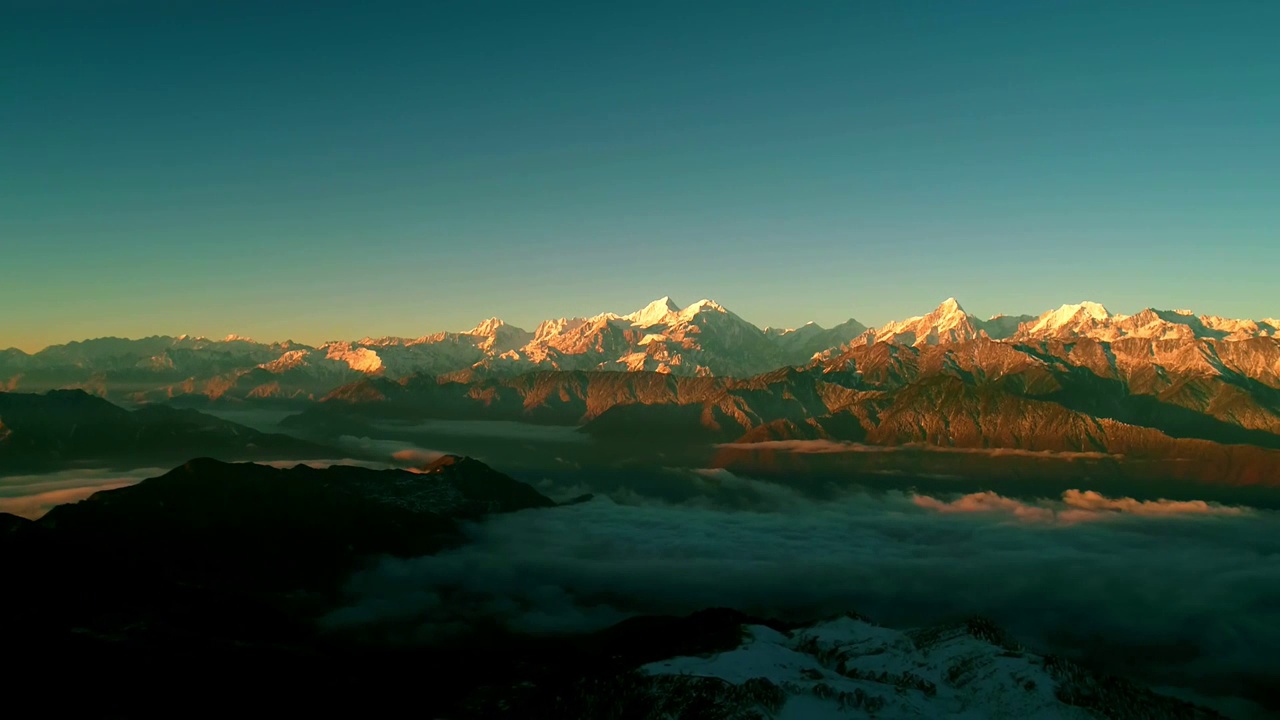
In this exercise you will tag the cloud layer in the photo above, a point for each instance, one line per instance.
(1186, 588)
(1075, 506)
(31, 496)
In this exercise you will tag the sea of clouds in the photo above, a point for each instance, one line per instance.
(1177, 593)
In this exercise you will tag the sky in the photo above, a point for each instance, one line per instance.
(320, 170)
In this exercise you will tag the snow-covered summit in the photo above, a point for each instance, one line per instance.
(850, 668)
(1069, 315)
(701, 338)
(946, 323)
(703, 305)
(486, 328)
(357, 358)
(288, 361)
(655, 313)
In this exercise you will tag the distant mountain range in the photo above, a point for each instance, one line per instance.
(71, 428)
(1175, 395)
(1203, 411)
(702, 339)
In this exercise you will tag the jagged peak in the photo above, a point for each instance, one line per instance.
(703, 305)
(383, 341)
(359, 359)
(1086, 308)
(1097, 310)
(1070, 314)
(237, 338)
(653, 313)
(948, 314)
(486, 327)
(290, 359)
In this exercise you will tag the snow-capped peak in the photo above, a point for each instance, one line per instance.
(357, 358)
(703, 305)
(653, 313)
(948, 314)
(851, 668)
(1068, 314)
(1092, 309)
(946, 323)
(486, 328)
(287, 361)
(237, 338)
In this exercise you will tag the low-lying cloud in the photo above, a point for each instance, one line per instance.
(393, 452)
(839, 446)
(1183, 592)
(31, 496)
(1075, 506)
(504, 429)
(322, 463)
(1089, 500)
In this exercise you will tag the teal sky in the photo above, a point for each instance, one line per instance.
(318, 170)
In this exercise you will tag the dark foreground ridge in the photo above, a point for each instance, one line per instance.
(221, 563)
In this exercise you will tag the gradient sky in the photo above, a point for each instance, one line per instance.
(318, 170)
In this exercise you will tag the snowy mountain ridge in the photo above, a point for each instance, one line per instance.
(703, 338)
(850, 668)
(836, 669)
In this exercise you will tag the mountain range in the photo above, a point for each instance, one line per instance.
(702, 339)
(1203, 411)
(71, 428)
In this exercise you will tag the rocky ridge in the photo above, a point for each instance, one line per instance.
(703, 338)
